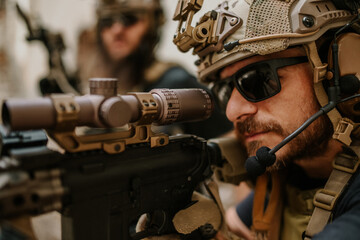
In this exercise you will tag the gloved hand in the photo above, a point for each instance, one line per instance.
(189, 220)
(141, 226)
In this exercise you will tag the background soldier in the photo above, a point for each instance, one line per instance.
(122, 45)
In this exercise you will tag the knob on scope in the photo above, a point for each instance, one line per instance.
(106, 87)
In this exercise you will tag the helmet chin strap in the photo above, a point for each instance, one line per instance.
(320, 71)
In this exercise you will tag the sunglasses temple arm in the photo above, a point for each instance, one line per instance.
(327, 108)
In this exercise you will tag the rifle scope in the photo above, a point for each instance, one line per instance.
(101, 109)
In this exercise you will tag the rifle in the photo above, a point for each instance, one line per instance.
(104, 181)
(58, 80)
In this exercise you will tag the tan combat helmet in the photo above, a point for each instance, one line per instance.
(238, 29)
(110, 8)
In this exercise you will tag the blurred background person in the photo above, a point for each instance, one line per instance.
(122, 44)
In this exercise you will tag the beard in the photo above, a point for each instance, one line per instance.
(311, 142)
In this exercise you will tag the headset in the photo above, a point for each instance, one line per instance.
(350, 5)
(343, 88)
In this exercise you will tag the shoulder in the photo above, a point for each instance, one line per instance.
(87, 36)
(87, 47)
(177, 75)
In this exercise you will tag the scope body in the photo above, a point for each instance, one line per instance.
(160, 106)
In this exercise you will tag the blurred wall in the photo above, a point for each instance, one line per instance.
(69, 17)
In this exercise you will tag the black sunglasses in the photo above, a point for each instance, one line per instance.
(126, 19)
(255, 82)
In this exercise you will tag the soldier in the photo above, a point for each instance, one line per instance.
(275, 65)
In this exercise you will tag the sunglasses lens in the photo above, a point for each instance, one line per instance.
(129, 19)
(257, 83)
(222, 91)
(126, 19)
(107, 22)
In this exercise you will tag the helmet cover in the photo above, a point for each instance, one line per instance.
(262, 27)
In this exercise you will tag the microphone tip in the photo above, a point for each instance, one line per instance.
(265, 157)
(253, 166)
(256, 165)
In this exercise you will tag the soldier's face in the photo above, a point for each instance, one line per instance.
(268, 122)
(122, 38)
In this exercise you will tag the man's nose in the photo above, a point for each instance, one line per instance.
(238, 108)
(117, 27)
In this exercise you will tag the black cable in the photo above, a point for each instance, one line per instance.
(327, 108)
(349, 24)
(349, 98)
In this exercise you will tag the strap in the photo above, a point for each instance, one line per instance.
(266, 222)
(344, 166)
(343, 131)
(320, 72)
(319, 68)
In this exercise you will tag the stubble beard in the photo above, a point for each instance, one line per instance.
(312, 142)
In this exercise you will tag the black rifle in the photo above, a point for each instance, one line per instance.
(102, 191)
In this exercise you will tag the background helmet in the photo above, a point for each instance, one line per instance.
(238, 29)
(108, 7)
